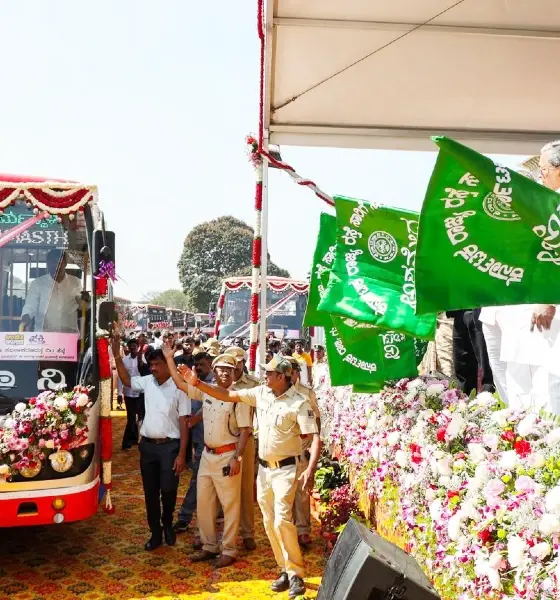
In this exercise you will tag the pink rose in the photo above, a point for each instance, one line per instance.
(525, 484)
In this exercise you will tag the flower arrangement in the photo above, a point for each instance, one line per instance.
(476, 486)
(253, 151)
(47, 424)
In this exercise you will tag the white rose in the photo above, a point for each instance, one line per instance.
(508, 460)
(456, 426)
(481, 472)
(425, 415)
(72, 419)
(20, 407)
(444, 466)
(393, 438)
(82, 400)
(477, 453)
(552, 500)
(49, 444)
(497, 561)
(435, 510)
(536, 460)
(540, 551)
(430, 495)
(516, 549)
(485, 398)
(414, 385)
(500, 417)
(468, 509)
(435, 389)
(553, 438)
(454, 527)
(527, 425)
(444, 481)
(60, 403)
(4, 470)
(8, 423)
(401, 458)
(494, 578)
(490, 441)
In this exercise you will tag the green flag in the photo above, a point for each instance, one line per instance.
(354, 350)
(373, 276)
(488, 236)
(364, 355)
(323, 259)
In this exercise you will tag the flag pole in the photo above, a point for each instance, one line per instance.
(264, 259)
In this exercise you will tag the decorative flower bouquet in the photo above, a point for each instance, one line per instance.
(475, 485)
(50, 423)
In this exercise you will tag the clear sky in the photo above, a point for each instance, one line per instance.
(151, 101)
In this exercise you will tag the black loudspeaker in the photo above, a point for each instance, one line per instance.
(364, 566)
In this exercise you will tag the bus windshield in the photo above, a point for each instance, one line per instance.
(285, 319)
(45, 309)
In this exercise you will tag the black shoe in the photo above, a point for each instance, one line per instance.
(170, 535)
(297, 587)
(181, 527)
(126, 447)
(153, 543)
(281, 584)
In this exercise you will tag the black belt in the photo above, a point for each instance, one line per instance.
(158, 440)
(291, 460)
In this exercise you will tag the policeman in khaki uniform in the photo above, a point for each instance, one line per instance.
(242, 381)
(302, 505)
(283, 415)
(227, 428)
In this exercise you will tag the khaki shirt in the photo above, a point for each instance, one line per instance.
(222, 420)
(247, 382)
(282, 420)
(306, 391)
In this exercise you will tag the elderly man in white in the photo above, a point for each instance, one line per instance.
(521, 339)
(54, 298)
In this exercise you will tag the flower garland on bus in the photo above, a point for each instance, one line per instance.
(46, 426)
(476, 486)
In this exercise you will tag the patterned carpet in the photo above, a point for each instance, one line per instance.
(103, 558)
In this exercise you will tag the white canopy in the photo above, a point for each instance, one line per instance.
(483, 72)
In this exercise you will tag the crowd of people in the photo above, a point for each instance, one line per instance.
(191, 403)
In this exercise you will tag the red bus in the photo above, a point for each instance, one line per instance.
(50, 468)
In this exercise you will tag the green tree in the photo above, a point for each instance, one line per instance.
(170, 299)
(214, 250)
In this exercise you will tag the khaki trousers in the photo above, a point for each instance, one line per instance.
(214, 488)
(302, 504)
(276, 491)
(248, 490)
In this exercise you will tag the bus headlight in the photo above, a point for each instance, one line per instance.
(31, 470)
(61, 461)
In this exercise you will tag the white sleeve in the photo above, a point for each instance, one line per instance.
(32, 300)
(184, 404)
(138, 384)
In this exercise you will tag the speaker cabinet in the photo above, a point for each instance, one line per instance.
(364, 566)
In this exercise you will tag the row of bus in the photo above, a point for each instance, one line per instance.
(147, 317)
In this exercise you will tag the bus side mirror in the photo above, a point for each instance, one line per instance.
(106, 315)
(103, 248)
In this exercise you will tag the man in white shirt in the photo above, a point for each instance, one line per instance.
(54, 298)
(131, 397)
(163, 446)
(158, 342)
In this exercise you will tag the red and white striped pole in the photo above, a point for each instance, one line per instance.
(219, 310)
(256, 260)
